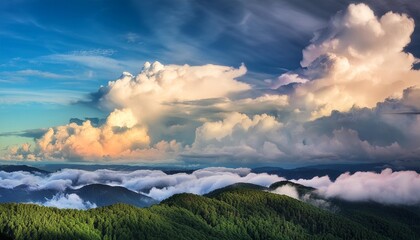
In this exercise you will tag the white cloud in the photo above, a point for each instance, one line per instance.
(89, 142)
(308, 197)
(358, 59)
(316, 182)
(203, 182)
(72, 201)
(13, 179)
(22, 152)
(357, 135)
(287, 79)
(153, 183)
(387, 187)
(239, 136)
(287, 190)
(261, 104)
(158, 84)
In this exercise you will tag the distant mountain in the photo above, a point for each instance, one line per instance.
(25, 168)
(239, 211)
(52, 167)
(21, 194)
(331, 170)
(104, 195)
(305, 173)
(101, 195)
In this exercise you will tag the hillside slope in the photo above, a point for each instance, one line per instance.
(240, 211)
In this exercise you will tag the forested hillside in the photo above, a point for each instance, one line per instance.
(241, 211)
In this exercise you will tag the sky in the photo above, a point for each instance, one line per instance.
(226, 83)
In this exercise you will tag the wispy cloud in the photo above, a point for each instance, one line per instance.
(38, 73)
(30, 133)
(28, 20)
(132, 37)
(13, 96)
(102, 61)
(94, 52)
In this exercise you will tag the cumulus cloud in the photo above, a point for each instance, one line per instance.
(266, 103)
(238, 135)
(348, 102)
(390, 129)
(361, 134)
(120, 137)
(358, 59)
(173, 100)
(72, 201)
(22, 152)
(288, 78)
(158, 84)
(248, 105)
(85, 141)
(245, 139)
(387, 187)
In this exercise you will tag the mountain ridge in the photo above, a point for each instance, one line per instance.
(238, 211)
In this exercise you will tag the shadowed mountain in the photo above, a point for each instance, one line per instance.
(22, 194)
(101, 195)
(331, 170)
(53, 167)
(104, 195)
(25, 168)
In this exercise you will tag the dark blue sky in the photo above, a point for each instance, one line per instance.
(268, 36)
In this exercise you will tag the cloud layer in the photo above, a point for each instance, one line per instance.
(387, 187)
(154, 183)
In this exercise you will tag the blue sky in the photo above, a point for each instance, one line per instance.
(54, 54)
